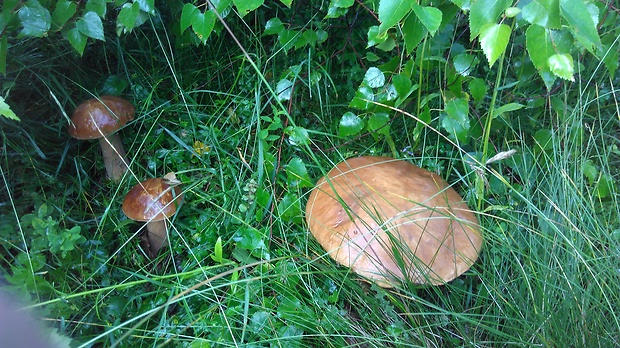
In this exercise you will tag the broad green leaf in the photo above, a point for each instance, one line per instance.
(590, 171)
(288, 38)
(581, 24)
(97, 6)
(402, 84)
(391, 12)
(512, 12)
(63, 11)
(147, 6)
(338, 8)
(544, 139)
(127, 17)
(245, 6)
(90, 25)
(350, 124)
(429, 16)
(545, 13)
(542, 43)
(562, 66)
(363, 98)
(494, 40)
(478, 89)
(465, 63)
(77, 40)
(298, 136)
(456, 119)
(604, 186)
(507, 108)
(189, 14)
(35, 19)
(483, 12)
(273, 26)
(287, 3)
(413, 32)
(374, 78)
(284, 89)
(203, 25)
(297, 173)
(610, 59)
(374, 37)
(5, 110)
(379, 123)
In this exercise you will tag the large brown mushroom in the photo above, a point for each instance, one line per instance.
(154, 201)
(100, 118)
(388, 219)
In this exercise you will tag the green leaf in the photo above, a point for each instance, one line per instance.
(147, 6)
(63, 11)
(478, 89)
(413, 33)
(379, 123)
(77, 40)
(507, 108)
(483, 12)
(363, 98)
(391, 12)
(273, 26)
(338, 8)
(290, 208)
(97, 6)
(297, 173)
(298, 136)
(562, 66)
(539, 46)
(429, 16)
(203, 25)
(287, 38)
(456, 119)
(350, 124)
(402, 84)
(287, 3)
(35, 19)
(284, 89)
(544, 139)
(494, 40)
(90, 25)
(245, 6)
(5, 110)
(374, 38)
(374, 78)
(465, 63)
(580, 22)
(545, 13)
(127, 17)
(189, 14)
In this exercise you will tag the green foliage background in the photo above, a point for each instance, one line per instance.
(250, 102)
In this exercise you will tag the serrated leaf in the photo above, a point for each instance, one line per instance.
(391, 12)
(429, 16)
(562, 66)
(90, 25)
(483, 12)
(545, 13)
(413, 33)
(374, 78)
(63, 11)
(5, 110)
(77, 40)
(580, 22)
(127, 17)
(189, 13)
(456, 119)
(203, 25)
(35, 19)
(350, 124)
(273, 26)
(245, 6)
(494, 40)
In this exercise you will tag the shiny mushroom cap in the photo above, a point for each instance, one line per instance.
(95, 118)
(387, 219)
(153, 199)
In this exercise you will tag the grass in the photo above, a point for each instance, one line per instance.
(548, 274)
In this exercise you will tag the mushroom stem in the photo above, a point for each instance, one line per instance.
(114, 156)
(157, 235)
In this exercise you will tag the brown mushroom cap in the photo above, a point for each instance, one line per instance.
(152, 200)
(95, 117)
(389, 219)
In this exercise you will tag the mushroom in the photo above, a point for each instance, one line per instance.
(154, 201)
(387, 219)
(100, 118)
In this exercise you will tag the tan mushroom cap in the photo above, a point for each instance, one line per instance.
(152, 200)
(95, 117)
(388, 219)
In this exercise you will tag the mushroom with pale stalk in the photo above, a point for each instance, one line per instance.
(100, 118)
(154, 201)
(387, 219)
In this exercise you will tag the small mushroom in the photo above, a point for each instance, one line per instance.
(388, 219)
(100, 118)
(154, 201)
